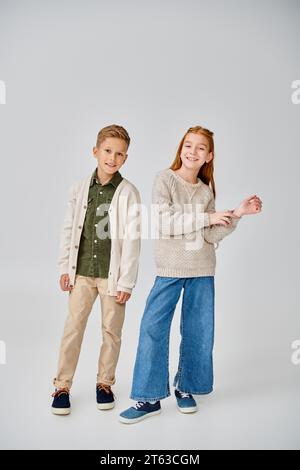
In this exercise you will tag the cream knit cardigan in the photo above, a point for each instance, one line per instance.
(124, 219)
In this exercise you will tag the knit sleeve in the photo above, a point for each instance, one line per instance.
(216, 233)
(66, 233)
(174, 219)
(131, 243)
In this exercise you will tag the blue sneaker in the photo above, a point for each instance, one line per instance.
(105, 397)
(185, 402)
(61, 402)
(141, 410)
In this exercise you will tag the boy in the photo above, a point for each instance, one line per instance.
(99, 252)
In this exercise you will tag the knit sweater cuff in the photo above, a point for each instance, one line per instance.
(235, 221)
(206, 219)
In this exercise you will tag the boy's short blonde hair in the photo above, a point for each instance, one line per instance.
(113, 131)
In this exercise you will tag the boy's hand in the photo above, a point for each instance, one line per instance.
(122, 297)
(65, 282)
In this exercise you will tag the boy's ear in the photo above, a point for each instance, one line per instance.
(95, 151)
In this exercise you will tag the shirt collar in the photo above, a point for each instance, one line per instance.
(117, 177)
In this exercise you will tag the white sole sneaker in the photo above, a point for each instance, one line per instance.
(61, 411)
(192, 409)
(105, 406)
(137, 420)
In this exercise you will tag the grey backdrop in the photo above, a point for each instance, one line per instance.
(72, 67)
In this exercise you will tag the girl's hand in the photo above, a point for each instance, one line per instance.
(250, 205)
(221, 218)
(122, 297)
(65, 282)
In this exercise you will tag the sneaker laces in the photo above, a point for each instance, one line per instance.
(106, 389)
(60, 391)
(139, 404)
(184, 394)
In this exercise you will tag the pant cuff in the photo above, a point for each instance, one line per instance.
(193, 392)
(105, 381)
(143, 398)
(62, 384)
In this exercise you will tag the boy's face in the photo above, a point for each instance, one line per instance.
(111, 154)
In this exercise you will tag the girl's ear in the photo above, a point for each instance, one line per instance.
(211, 156)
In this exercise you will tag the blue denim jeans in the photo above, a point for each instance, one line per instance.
(195, 368)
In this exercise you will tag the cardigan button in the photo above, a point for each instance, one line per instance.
(84, 207)
(79, 226)
(73, 267)
(76, 246)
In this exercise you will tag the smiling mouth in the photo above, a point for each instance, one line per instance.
(111, 165)
(192, 159)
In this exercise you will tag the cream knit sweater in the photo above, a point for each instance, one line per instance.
(184, 245)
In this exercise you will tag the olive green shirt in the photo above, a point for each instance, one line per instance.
(95, 242)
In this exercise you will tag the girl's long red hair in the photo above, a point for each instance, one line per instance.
(206, 172)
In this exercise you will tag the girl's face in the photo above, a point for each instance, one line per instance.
(195, 151)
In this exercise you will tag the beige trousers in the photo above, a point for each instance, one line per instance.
(81, 300)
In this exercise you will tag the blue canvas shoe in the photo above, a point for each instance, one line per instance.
(140, 411)
(61, 402)
(105, 397)
(185, 402)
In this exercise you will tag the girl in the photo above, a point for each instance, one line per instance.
(188, 227)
